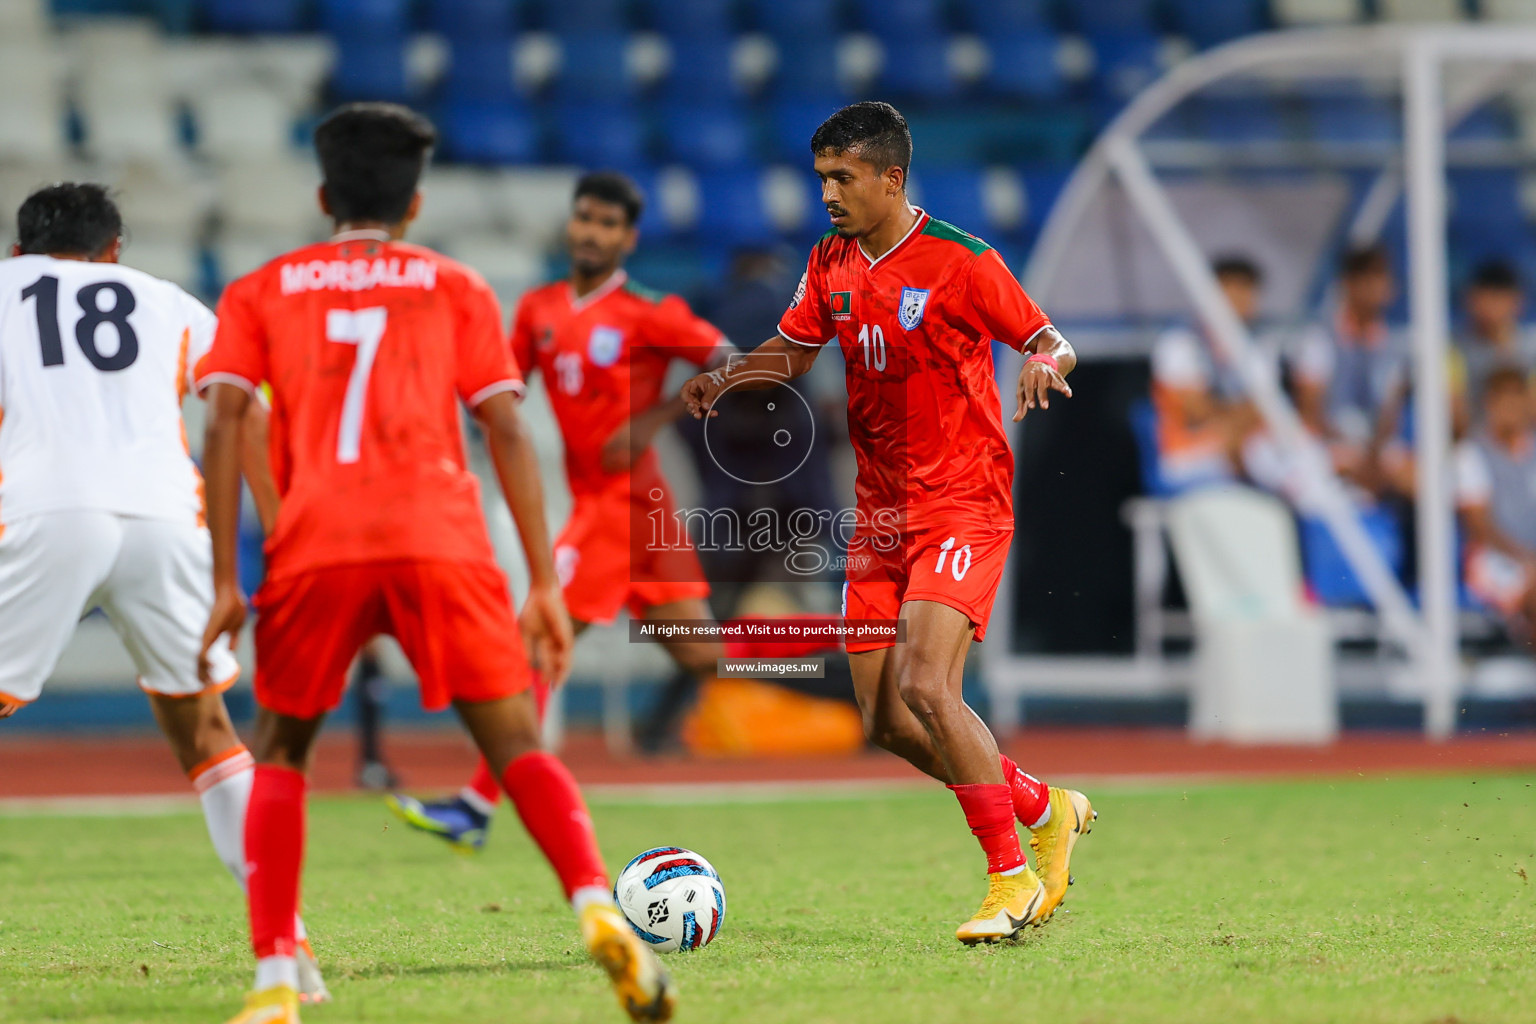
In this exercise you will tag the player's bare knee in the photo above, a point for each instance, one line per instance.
(923, 691)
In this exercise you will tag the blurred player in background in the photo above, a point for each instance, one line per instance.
(604, 343)
(100, 503)
(915, 303)
(370, 345)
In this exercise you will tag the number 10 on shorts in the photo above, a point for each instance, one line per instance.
(959, 564)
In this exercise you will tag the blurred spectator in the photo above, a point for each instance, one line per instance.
(1350, 383)
(1491, 338)
(1202, 414)
(1496, 495)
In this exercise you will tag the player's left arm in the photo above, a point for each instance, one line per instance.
(1002, 308)
(228, 405)
(227, 378)
(545, 622)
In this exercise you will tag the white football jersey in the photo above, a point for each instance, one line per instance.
(94, 361)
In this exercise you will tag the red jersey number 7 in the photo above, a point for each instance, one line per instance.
(365, 329)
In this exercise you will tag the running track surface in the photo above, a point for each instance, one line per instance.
(39, 767)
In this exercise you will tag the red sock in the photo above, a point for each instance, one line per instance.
(989, 811)
(555, 815)
(1031, 797)
(274, 857)
(484, 783)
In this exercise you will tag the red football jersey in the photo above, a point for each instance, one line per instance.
(604, 357)
(368, 346)
(915, 328)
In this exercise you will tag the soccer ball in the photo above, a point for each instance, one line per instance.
(672, 897)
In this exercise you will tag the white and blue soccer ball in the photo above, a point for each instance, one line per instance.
(672, 897)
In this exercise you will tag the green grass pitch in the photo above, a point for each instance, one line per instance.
(1352, 901)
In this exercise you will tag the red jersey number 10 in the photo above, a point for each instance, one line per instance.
(872, 340)
(365, 329)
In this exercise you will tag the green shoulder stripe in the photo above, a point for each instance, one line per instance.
(830, 234)
(950, 233)
(640, 291)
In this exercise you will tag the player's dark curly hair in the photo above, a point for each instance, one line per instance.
(874, 132)
(68, 219)
(371, 158)
(613, 187)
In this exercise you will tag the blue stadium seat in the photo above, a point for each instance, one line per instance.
(1488, 123)
(1484, 203)
(796, 19)
(701, 68)
(488, 133)
(1125, 63)
(368, 69)
(479, 70)
(987, 18)
(690, 17)
(1142, 416)
(1241, 119)
(954, 195)
(918, 66)
(808, 69)
(1332, 580)
(600, 134)
(1024, 66)
(255, 15)
(899, 19)
(712, 134)
(593, 66)
(1353, 118)
(1209, 22)
(732, 209)
(793, 123)
(472, 19)
(571, 17)
(1099, 17)
(1042, 187)
(365, 19)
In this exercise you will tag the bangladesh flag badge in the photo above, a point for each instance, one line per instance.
(842, 305)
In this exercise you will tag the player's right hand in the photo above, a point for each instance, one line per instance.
(225, 618)
(547, 633)
(7, 708)
(700, 393)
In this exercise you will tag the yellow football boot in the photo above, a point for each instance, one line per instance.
(279, 1005)
(644, 989)
(1012, 902)
(1071, 818)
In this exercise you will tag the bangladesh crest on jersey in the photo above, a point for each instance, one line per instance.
(841, 305)
(604, 345)
(910, 310)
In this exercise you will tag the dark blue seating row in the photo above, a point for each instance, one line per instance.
(1205, 21)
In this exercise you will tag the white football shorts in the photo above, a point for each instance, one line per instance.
(152, 578)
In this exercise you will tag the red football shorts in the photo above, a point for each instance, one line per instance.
(955, 565)
(454, 621)
(625, 550)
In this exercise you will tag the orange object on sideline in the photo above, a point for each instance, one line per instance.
(745, 717)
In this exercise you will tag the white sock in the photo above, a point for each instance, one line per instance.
(224, 788)
(272, 971)
(1043, 818)
(590, 895)
(477, 801)
(1014, 871)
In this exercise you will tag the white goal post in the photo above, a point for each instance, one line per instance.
(1418, 58)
